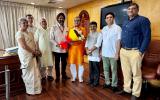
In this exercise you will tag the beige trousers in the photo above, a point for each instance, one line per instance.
(131, 67)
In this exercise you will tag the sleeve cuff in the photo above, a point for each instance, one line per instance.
(142, 51)
(96, 45)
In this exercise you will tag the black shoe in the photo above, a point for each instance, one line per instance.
(43, 80)
(122, 92)
(115, 89)
(65, 78)
(73, 80)
(106, 86)
(95, 85)
(134, 97)
(89, 83)
(50, 78)
(57, 80)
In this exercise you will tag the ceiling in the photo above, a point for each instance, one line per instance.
(52, 3)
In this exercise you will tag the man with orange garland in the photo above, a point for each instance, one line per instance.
(76, 51)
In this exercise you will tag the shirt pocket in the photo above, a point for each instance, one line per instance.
(113, 35)
(133, 29)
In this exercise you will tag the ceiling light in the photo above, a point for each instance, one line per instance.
(32, 3)
(59, 0)
(60, 7)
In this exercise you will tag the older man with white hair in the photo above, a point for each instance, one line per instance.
(43, 44)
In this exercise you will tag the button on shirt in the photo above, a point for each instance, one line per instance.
(136, 33)
(109, 37)
(90, 43)
(58, 35)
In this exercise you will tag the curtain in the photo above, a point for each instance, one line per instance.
(11, 12)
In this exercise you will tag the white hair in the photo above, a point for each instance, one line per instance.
(43, 18)
(22, 19)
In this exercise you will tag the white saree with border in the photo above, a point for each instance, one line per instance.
(30, 71)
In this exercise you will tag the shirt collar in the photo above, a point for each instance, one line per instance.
(110, 26)
(93, 32)
(60, 25)
(133, 18)
(43, 28)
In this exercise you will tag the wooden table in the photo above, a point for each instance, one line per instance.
(16, 82)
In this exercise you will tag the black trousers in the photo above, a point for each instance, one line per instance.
(63, 58)
(94, 72)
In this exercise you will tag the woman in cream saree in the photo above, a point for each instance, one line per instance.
(27, 53)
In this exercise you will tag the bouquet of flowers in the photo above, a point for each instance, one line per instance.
(65, 44)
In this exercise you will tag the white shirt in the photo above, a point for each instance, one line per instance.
(57, 35)
(32, 29)
(109, 37)
(90, 43)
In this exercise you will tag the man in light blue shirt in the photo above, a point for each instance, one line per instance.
(110, 38)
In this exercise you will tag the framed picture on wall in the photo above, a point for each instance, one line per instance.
(85, 19)
(120, 11)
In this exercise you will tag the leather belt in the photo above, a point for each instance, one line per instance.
(129, 48)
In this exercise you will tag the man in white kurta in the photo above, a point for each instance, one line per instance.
(43, 44)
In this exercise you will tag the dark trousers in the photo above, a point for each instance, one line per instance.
(63, 58)
(93, 72)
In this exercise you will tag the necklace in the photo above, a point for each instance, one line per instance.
(61, 29)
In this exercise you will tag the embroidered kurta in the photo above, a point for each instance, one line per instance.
(58, 35)
(76, 50)
(92, 40)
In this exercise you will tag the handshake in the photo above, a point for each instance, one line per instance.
(89, 52)
(36, 53)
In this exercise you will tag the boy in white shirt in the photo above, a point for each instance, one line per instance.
(93, 54)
